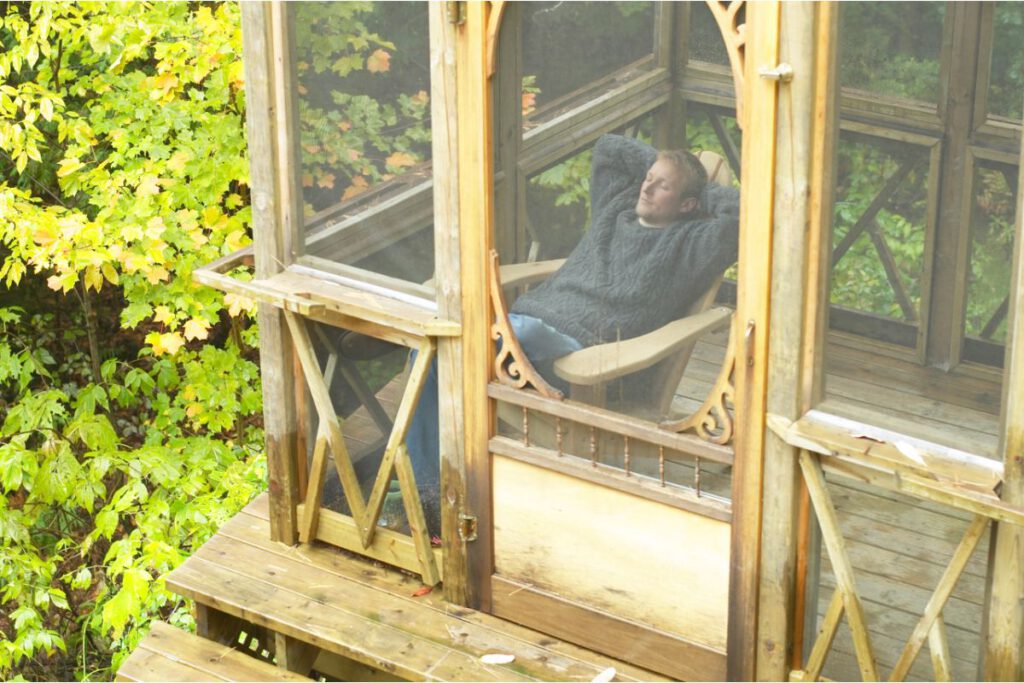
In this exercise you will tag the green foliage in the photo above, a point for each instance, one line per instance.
(107, 487)
(363, 100)
(122, 169)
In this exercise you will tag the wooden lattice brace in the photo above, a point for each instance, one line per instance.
(846, 599)
(395, 461)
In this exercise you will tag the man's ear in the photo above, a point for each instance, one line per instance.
(688, 205)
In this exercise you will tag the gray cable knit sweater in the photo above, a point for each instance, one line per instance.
(623, 279)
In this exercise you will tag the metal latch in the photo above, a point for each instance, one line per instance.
(467, 527)
(782, 73)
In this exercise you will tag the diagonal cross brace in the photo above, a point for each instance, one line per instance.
(366, 513)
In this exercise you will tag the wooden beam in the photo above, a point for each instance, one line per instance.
(926, 627)
(460, 586)
(945, 283)
(806, 34)
(1004, 659)
(269, 213)
(751, 330)
(841, 567)
(475, 243)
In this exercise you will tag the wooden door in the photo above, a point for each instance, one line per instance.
(595, 525)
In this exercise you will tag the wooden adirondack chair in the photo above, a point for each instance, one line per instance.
(662, 354)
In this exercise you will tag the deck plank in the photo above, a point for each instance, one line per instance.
(367, 613)
(171, 654)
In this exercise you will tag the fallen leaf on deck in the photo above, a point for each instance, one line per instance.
(422, 591)
(866, 437)
(910, 450)
(497, 658)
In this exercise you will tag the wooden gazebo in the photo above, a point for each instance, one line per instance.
(833, 485)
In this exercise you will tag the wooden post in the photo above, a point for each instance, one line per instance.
(475, 235)
(458, 587)
(806, 131)
(1005, 627)
(270, 209)
(944, 303)
(671, 22)
(751, 331)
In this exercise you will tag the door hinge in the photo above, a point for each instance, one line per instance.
(467, 527)
(456, 12)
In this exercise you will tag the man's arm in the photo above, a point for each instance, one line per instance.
(619, 165)
(714, 245)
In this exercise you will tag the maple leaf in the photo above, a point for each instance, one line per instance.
(165, 342)
(358, 186)
(421, 97)
(162, 314)
(196, 329)
(326, 180)
(378, 62)
(400, 160)
(149, 185)
(529, 102)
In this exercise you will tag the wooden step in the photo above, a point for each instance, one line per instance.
(368, 614)
(170, 654)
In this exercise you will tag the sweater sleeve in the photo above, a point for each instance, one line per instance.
(715, 243)
(619, 164)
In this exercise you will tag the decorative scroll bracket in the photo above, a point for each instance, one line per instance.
(511, 366)
(733, 33)
(712, 421)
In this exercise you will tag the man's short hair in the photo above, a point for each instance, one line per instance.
(690, 166)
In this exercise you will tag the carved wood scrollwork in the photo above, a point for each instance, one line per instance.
(734, 34)
(713, 422)
(511, 366)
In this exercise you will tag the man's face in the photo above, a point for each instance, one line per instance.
(661, 200)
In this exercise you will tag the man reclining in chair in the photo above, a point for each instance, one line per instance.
(660, 235)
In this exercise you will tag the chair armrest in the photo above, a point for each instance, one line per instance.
(516, 274)
(605, 362)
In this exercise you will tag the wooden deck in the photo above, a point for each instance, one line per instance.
(362, 613)
(899, 546)
(170, 654)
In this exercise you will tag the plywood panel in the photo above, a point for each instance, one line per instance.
(614, 551)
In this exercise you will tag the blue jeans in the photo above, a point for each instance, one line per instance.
(542, 344)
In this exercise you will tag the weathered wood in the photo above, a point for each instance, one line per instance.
(1004, 659)
(571, 558)
(475, 243)
(406, 409)
(294, 655)
(341, 531)
(661, 652)
(826, 635)
(751, 331)
(945, 279)
(314, 490)
(676, 497)
(807, 40)
(939, 646)
(606, 362)
(170, 654)
(417, 520)
(943, 590)
(611, 421)
(833, 539)
(388, 312)
(461, 585)
(270, 253)
(328, 417)
(369, 614)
